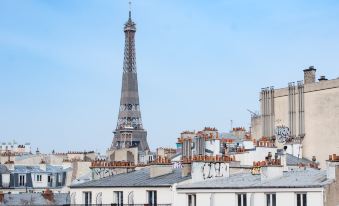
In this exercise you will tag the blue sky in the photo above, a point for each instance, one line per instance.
(200, 63)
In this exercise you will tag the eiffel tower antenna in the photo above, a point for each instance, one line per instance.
(130, 9)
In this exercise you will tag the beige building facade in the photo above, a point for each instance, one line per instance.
(306, 112)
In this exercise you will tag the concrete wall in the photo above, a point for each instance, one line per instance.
(321, 118)
(256, 127)
(164, 195)
(255, 197)
(209, 170)
(213, 145)
(331, 194)
(78, 169)
(247, 158)
(42, 183)
(321, 124)
(123, 154)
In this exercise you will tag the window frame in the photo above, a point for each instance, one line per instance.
(89, 198)
(118, 198)
(152, 197)
(272, 201)
(303, 198)
(243, 199)
(49, 179)
(38, 177)
(193, 199)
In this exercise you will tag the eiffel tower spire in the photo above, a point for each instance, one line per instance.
(129, 131)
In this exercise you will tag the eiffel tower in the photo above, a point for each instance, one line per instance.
(129, 131)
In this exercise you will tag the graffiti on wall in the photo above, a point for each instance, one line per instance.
(282, 133)
(214, 169)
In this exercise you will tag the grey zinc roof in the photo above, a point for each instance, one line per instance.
(292, 179)
(4, 169)
(293, 160)
(140, 178)
(35, 199)
(36, 169)
(27, 169)
(54, 169)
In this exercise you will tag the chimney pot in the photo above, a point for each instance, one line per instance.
(322, 78)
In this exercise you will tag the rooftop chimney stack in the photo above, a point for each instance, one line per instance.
(186, 169)
(309, 75)
(161, 166)
(333, 167)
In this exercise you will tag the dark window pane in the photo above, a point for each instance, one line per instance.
(239, 199)
(274, 200)
(149, 197)
(244, 200)
(298, 200)
(304, 200)
(155, 198)
(268, 199)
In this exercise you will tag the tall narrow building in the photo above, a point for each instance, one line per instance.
(129, 131)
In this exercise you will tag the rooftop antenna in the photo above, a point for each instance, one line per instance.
(253, 114)
(130, 8)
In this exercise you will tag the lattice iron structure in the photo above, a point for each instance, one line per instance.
(129, 131)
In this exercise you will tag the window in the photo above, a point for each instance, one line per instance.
(22, 180)
(49, 179)
(87, 198)
(118, 198)
(271, 199)
(38, 178)
(301, 199)
(59, 178)
(191, 199)
(152, 198)
(242, 200)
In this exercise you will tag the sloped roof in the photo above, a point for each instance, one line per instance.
(36, 169)
(4, 169)
(27, 169)
(293, 160)
(309, 178)
(140, 178)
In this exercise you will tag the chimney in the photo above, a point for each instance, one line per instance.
(295, 149)
(9, 165)
(309, 75)
(2, 197)
(209, 169)
(186, 169)
(333, 167)
(48, 195)
(322, 78)
(269, 172)
(161, 166)
(43, 165)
